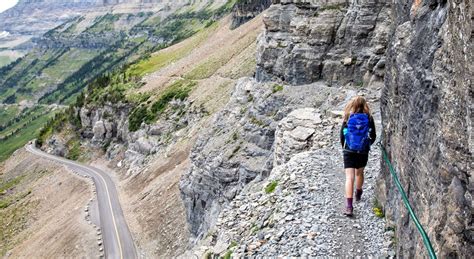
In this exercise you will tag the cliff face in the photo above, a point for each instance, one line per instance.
(426, 111)
(246, 10)
(335, 41)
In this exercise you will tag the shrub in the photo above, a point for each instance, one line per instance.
(74, 147)
(138, 115)
(377, 209)
(178, 90)
(277, 88)
(271, 186)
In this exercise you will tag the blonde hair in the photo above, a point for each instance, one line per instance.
(357, 104)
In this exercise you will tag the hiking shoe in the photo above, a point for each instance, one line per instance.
(358, 195)
(348, 211)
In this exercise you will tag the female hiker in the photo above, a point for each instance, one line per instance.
(357, 135)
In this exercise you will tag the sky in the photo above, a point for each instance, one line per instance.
(5, 4)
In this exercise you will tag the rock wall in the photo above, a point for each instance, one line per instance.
(427, 125)
(337, 41)
(246, 10)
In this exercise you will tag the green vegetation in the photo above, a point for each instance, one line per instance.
(14, 125)
(8, 113)
(254, 229)
(230, 250)
(233, 244)
(104, 23)
(15, 207)
(377, 209)
(139, 115)
(208, 255)
(277, 88)
(12, 221)
(74, 147)
(235, 136)
(207, 68)
(333, 7)
(228, 255)
(9, 200)
(164, 58)
(20, 138)
(257, 122)
(271, 186)
(5, 60)
(235, 150)
(4, 186)
(179, 90)
(54, 124)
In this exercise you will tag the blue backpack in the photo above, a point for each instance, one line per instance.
(357, 135)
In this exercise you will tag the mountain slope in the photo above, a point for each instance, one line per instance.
(70, 56)
(151, 158)
(41, 212)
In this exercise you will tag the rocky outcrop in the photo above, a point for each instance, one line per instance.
(106, 127)
(337, 41)
(295, 134)
(246, 10)
(427, 118)
(238, 147)
(105, 124)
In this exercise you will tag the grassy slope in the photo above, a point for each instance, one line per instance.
(214, 59)
(166, 57)
(8, 146)
(24, 121)
(8, 113)
(5, 60)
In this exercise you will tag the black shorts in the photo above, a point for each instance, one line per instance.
(355, 160)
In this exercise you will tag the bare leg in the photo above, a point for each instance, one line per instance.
(359, 178)
(349, 181)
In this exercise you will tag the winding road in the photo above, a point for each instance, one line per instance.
(117, 240)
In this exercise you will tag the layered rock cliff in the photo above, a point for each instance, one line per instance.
(336, 41)
(427, 126)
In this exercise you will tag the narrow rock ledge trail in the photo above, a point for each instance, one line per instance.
(303, 216)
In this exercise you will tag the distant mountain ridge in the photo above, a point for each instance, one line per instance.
(33, 18)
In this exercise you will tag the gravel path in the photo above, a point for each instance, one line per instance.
(303, 215)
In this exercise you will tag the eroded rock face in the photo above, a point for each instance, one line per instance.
(426, 112)
(337, 41)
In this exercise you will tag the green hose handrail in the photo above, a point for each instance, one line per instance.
(425, 237)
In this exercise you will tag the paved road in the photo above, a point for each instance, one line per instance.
(118, 242)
